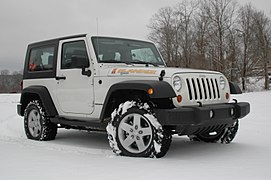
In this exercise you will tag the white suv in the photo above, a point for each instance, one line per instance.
(123, 86)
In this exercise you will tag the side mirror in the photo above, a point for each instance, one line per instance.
(81, 62)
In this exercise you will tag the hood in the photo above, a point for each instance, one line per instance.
(143, 71)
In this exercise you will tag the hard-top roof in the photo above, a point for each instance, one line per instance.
(55, 40)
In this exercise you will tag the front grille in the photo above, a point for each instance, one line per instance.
(202, 89)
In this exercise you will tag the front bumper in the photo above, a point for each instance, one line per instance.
(188, 120)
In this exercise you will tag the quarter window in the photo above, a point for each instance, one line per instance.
(41, 59)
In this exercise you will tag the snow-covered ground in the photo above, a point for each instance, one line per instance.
(82, 155)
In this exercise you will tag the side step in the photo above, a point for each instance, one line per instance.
(91, 124)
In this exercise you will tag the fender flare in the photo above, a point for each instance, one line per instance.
(234, 88)
(161, 89)
(43, 94)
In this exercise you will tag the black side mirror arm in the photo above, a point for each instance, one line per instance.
(86, 73)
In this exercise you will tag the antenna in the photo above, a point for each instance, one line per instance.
(97, 24)
(98, 48)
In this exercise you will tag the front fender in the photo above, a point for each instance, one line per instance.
(234, 88)
(161, 89)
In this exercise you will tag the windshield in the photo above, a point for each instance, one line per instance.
(115, 50)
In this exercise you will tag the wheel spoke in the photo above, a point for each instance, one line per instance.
(32, 115)
(146, 131)
(135, 133)
(37, 116)
(140, 144)
(136, 122)
(30, 124)
(35, 131)
(34, 125)
(126, 127)
(128, 141)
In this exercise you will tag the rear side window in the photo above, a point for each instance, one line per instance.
(41, 59)
(70, 50)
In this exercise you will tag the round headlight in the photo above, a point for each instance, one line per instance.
(222, 82)
(177, 83)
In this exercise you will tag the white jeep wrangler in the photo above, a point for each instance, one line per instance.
(124, 87)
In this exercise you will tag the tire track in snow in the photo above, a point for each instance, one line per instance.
(51, 146)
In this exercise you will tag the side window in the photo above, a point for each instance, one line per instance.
(71, 50)
(41, 59)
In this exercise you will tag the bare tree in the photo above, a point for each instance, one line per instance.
(184, 13)
(262, 32)
(215, 35)
(5, 72)
(221, 16)
(232, 55)
(10, 82)
(201, 27)
(164, 33)
(244, 28)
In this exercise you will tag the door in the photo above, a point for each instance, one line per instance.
(74, 90)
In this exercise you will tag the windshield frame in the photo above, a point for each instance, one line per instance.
(126, 42)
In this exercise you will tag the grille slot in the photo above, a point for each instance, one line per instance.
(202, 89)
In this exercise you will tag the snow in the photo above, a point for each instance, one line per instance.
(122, 109)
(82, 155)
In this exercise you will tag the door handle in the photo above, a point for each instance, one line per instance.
(60, 78)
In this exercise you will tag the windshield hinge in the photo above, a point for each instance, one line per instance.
(162, 74)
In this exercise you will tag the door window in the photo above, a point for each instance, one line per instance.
(70, 50)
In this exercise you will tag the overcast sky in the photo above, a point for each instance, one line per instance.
(26, 21)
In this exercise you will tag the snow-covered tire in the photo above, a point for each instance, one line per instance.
(36, 124)
(224, 136)
(134, 131)
(209, 137)
(230, 133)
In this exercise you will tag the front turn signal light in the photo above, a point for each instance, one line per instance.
(179, 98)
(227, 96)
(150, 91)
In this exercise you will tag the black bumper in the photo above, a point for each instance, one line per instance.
(187, 120)
(19, 110)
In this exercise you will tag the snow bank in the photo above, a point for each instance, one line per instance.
(81, 155)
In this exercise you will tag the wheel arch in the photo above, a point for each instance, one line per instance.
(234, 88)
(41, 93)
(129, 90)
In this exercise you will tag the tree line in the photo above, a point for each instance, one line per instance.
(216, 35)
(10, 82)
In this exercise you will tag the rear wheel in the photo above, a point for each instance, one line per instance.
(36, 123)
(134, 131)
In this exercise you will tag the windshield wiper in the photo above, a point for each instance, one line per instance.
(114, 61)
(142, 62)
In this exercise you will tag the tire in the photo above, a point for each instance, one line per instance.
(134, 131)
(209, 137)
(36, 124)
(230, 133)
(225, 136)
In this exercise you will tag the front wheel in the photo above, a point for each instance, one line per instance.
(134, 131)
(224, 136)
(230, 133)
